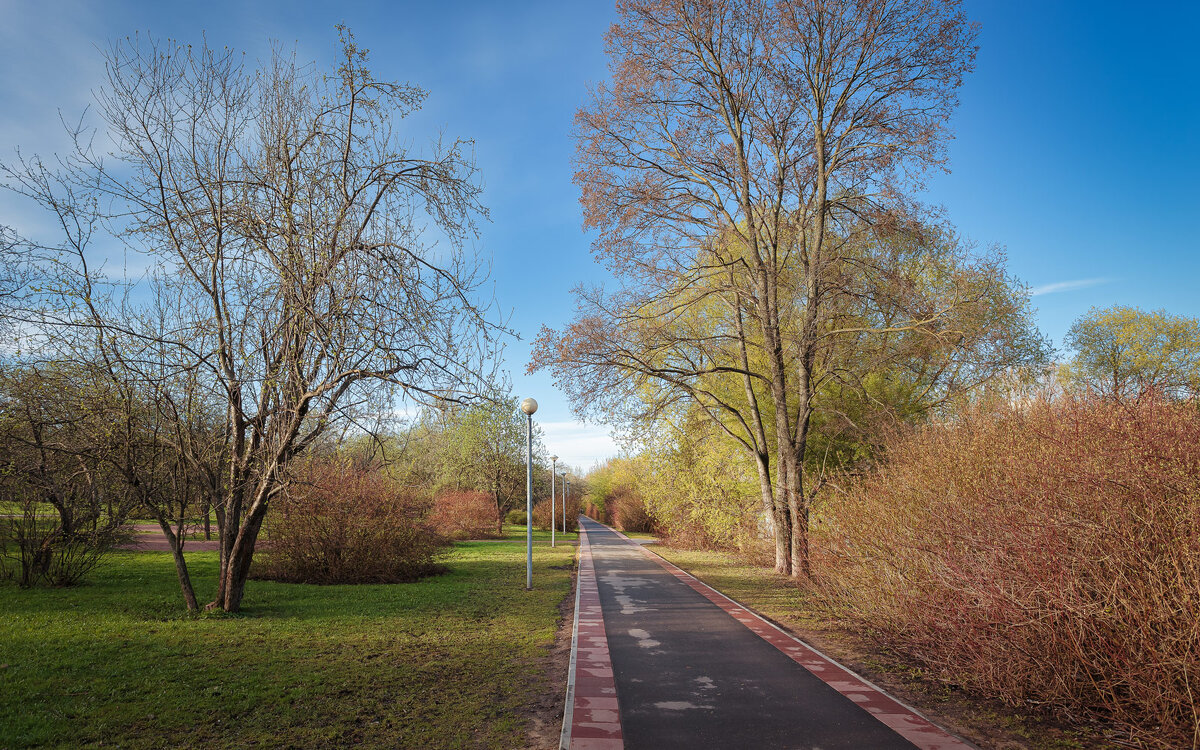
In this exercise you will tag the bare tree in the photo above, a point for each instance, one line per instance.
(285, 220)
(57, 469)
(744, 155)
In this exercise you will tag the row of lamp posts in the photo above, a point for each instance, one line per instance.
(529, 406)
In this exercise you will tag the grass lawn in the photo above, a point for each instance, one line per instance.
(452, 661)
(515, 532)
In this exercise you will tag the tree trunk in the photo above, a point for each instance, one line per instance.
(770, 512)
(236, 571)
(181, 571)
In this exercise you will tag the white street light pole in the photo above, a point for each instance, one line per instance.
(553, 460)
(564, 503)
(529, 406)
(566, 490)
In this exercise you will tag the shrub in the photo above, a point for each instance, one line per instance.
(55, 543)
(37, 547)
(515, 517)
(1047, 555)
(627, 511)
(465, 515)
(337, 523)
(541, 515)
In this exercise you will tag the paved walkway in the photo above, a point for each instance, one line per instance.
(693, 669)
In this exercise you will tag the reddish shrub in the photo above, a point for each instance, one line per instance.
(336, 523)
(541, 515)
(1048, 554)
(627, 511)
(465, 515)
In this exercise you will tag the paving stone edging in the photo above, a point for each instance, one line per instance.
(591, 718)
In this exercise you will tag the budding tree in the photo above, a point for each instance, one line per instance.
(746, 173)
(284, 216)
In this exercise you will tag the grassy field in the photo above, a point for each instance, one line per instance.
(457, 660)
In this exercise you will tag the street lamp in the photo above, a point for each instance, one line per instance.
(564, 502)
(553, 460)
(529, 406)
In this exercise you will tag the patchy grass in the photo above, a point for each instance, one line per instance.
(451, 661)
(989, 724)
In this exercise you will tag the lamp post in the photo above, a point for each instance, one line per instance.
(529, 406)
(564, 503)
(553, 460)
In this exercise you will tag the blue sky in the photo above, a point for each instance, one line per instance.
(1077, 148)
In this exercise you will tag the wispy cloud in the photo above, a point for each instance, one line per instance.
(1065, 286)
(577, 444)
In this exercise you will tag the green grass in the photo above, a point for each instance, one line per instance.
(773, 595)
(515, 532)
(451, 661)
(639, 535)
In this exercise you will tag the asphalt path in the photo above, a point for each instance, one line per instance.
(688, 675)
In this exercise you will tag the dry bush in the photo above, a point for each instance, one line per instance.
(627, 511)
(541, 515)
(1048, 555)
(465, 515)
(336, 523)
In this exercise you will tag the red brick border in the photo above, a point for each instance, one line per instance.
(902, 719)
(591, 719)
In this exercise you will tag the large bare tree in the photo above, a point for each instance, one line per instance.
(292, 278)
(755, 156)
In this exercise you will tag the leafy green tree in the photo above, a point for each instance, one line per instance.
(1124, 351)
(486, 446)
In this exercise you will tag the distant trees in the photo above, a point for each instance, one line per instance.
(1123, 351)
(289, 289)
(484, 448)
(746, 173)
(455, 448)
(61, 445)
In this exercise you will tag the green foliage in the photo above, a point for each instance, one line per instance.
(1124, 351)
(701, 490)
(479, 447)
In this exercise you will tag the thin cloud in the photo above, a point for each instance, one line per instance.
(578, 444)
(1065, 286)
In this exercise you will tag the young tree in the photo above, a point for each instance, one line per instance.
(284, 218)
(745, 154)
(1124, 351)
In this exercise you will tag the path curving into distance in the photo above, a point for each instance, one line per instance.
(693, 669)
